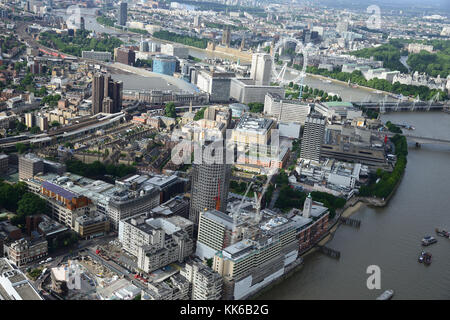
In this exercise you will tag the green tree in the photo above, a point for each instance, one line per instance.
(31, 204)
(200, 114)
(21, 147)
(256, 107)
(35, 130)
(170, 110)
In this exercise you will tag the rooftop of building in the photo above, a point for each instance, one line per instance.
(219, 217)
(31, 157)
(71, 186)
(278, 97)
(49, 226)
(270, 225)
(89, 219)
(8, 227)
(163, 57)
(170, 225)
(252, 123)
(338, 104)
(14, 285)
(170, 207)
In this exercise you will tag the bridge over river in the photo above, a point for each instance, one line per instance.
(383, 106)
(410, 137)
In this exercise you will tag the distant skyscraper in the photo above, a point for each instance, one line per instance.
(261, 69)
(313, 137)
(210, 184)
(197, 21)
(82, 24)
(123, 13)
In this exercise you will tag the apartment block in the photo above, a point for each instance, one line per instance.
(205, 284)
(313, 137)
(156, 242)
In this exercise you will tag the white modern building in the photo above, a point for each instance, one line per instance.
(261, 70)
(286, 110)
(175, 50)
(14, 285)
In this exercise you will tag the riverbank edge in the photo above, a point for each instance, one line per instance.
(328, 236)
(319, 76)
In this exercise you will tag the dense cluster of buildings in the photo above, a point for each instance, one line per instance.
(208, 242)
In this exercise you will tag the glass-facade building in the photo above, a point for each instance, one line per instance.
(164, 64)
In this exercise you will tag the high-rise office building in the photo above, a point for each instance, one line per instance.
(113, 90)
(261, 70)
(215, 232)
(313, 137)
(98, 93)
(123, 13)
(106, 94)
(210, 182)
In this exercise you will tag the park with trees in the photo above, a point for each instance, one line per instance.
(383, 183)
(80, 41)
(16, 198)
(98, 170)
(186, 40)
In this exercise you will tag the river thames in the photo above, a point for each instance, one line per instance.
(390, 237)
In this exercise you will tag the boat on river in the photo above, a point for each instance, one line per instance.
(443, 233)
(425, 257)
(427, 240)
(387, 295)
